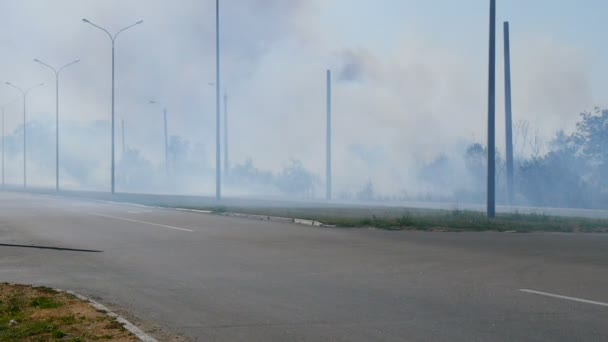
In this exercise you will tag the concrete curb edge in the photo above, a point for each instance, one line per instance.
(127, 325)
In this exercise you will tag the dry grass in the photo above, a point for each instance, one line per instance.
(42, 314)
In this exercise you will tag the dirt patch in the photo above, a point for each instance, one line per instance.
(42, 314)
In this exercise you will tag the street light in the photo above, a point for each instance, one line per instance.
(328, 155)
(24, 94)
(166, 137)
(113, 39)
(218, 173)
(57, 72)
(226, 160)
(2, 108)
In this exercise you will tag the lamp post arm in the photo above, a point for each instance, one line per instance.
(99, 27)
(67, 65)
(47, 65)
(126, 28)
(14, 86)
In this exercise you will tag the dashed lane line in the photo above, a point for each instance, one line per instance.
(574, 299)
(143, 222)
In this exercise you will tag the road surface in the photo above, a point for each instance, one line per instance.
(214, 278)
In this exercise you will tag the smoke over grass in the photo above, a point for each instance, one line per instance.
(409, 99)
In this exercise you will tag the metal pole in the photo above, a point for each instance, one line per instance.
(123, 138)
(3, 110)
(24, 143)
(56, 72)
(509, 117)
(2, 147)
(57, 132)
(218, 174)
(166, 143)
(491, 190)
(226, 162)
(113, 54)
(113, 39)
(24, 94)
(328, 161)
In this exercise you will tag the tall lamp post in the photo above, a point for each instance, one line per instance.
(329, 141)
(113, 39)
(24, 93)
(2, 109)
(218, 172)
(226, 160)
(57, 72)
(166, 137)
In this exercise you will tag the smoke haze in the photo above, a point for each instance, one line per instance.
(404, 96)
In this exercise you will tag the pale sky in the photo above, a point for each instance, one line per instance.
(462, 25)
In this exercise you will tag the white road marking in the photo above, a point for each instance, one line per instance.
(144, 222)
(580, 300)
(194, 210)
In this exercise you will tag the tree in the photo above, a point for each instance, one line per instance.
(246, 174)
(178, 151)
(521, 137)
(296, 180)
(367, 192)
(438, 172)
(591, 135)
(476, 161)
(591, 143)
(555, 180)
(135, 173)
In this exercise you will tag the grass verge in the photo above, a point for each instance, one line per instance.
(430, 219)
(389, 218)
(42, 314)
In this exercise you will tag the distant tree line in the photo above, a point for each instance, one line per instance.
(569, 171)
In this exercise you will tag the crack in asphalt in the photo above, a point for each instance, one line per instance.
(51, 248)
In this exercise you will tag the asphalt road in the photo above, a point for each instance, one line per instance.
(215, 278)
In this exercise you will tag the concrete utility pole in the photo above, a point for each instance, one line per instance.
(226, 160)
(57, 73)
(328, 152)
(218, 165)
(113, 39)
(509, 117)
(491, 190)
(24, 93)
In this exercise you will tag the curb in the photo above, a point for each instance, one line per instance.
(127, 325)
(299, 221)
